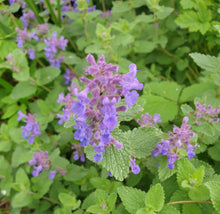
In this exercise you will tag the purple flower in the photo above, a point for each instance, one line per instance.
(98, 157)
(40, 162)
(28, 18)
(148, 120)
(53, 48)
(78, 153)
(31, 129)
(69, 76)
(179, 139)
(209, 114)
(134, 167)
(31, 53)
(52, 174)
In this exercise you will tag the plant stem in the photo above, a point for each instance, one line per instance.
(51, 200)
(103, 5)
(42, 86)
(185, 202)
(40, 63)
(73, 45)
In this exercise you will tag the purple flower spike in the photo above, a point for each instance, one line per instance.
(98, 157)
(134, 167)
(31, 129)
(52, 174)
(179, 139)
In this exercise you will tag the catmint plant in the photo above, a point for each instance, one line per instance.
(53, 49)
(208, 114)
(178, 139)
(94, 108)
(31, 129)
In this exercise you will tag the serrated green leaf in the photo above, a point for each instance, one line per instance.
(70, 123)
(214, 152)
(5, 145)
(206, 62)
(21, 64)
(114, 160)
(156, 104)
(10, 111)
(67, 200)
(142, 141)
(22, 179)
(205, 129)
(21, 199)
(167, 209)
(75, 172)
(120, 7)
(132, 198)
(163, 171)
(191, 209)
(186, 109)
(185, 171)
(200, 193)
(204, 14)
(188, 4)
(41, 184)
(143, 46)
(162, 12)
(46, 75)
(198, 175)
(22, 90)
(155, 197)
(196, 90)
(214, 188)
(170, 90)
(71, 58)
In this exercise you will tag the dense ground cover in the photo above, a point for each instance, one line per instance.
(109, 106)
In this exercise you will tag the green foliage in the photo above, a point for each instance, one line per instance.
(175, 45)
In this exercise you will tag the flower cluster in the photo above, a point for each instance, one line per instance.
(27, 19)
(178, 139)
(31, 129)
(148, 120)
(78, 154)
(134, 167)
(24, 36)
(53, 47)
(209, 114)
(41, 162)
(96, 115)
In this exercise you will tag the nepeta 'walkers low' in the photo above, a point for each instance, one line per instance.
(93, 108)
(179, 139)
(31, 129)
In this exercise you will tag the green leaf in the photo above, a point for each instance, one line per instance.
(114, 160)
(21, 199)
(163, 171)
(5, 145)
(22, 179)
(67, 200)
(70, 123)
(185, 171)
(10, 111)
(191, 20)
(206, 62)
(120, 7)
(167, 209)
(198, 175)
(21, 64)
(41, 184)
(142, 141)
(188, 4)
(46, 75)
(143, 46)
(71, 58)
(132, 198)
(22, 90)
(14, 7)
(162, 12)
(155, 197)
(214, 152)
(200, 193)
(186, 109)
(214, 188)
(75, 173)
(204, 14)
(191, 209)
(196, 90)
(156, 104)
(169, 90)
